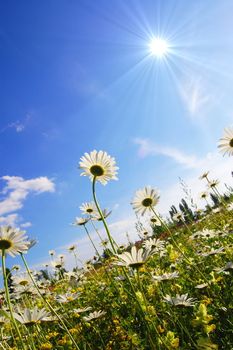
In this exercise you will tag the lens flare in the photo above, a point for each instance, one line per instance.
(158, 47)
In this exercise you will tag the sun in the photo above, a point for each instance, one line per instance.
(158, 47)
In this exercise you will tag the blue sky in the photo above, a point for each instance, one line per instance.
(77, 76)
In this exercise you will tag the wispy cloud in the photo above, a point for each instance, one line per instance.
(15, 192)
(18, 125)
(149, 148)
(9, 219)
(194, 95)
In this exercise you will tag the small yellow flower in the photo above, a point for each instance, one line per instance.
(161, 329)
(46, 346)
(73, 330)
(210, 328)
(207, 301)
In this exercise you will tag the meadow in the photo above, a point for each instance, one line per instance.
(171, 289)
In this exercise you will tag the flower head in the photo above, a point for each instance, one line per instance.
(156, 244)
(225, 144)
(154, 220)
(13, 241)
(204, 175)
(213, 183)
(179, 300)
(166, 276)
(105, 214)
(88, 208)
(30, 317)
(66, 298)
(57, 264)
(145, 199)
(205, 234)
(72, 248)
(81, 310)
(203, 195)
(94, 315)
(177, 217)
(135, 259)
(98, 165)
(21, 280)
(80, 221)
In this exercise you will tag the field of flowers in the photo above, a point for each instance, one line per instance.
(172, 289)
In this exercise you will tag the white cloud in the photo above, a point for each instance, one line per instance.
(149, 148)
(8, 219)
(18, 125)
(193, 94)
(16, 191)
(26, 224)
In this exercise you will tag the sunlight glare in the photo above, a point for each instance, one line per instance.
(158, 47)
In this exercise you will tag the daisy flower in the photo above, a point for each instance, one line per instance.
(156, 244)
(30, 317)
(13, 241)
(230, 207)
(206, 234)
(105, 214)
(213, 183)
(88, 208)
(52, 252)
(80, 221)
(81, 310)
(72, 248)
(155, 221)
(66, 298)
(225, 144)
(145, 199)
(21, 280)
(203, 195)
(57, 264)
(166, 276)
(213, 252)
(135, 259)
(204, 175)
(98, 165)
(177, 217)
(227, 267)
(94, 315)
(179, 300)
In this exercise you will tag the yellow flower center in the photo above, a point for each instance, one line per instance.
(96, 170)
(231, 143)
(5, 244)
(147, 202)
(23, 283)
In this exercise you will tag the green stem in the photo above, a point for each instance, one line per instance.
(177, 246)
(93, 225)
(102, 217)
(146, 304)
(93, 244)
(48, 304)
(188, 229)
(8, 298)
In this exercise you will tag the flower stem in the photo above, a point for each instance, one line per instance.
(8, 298)
(102, 217)
(48, 304)
(89, 236)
